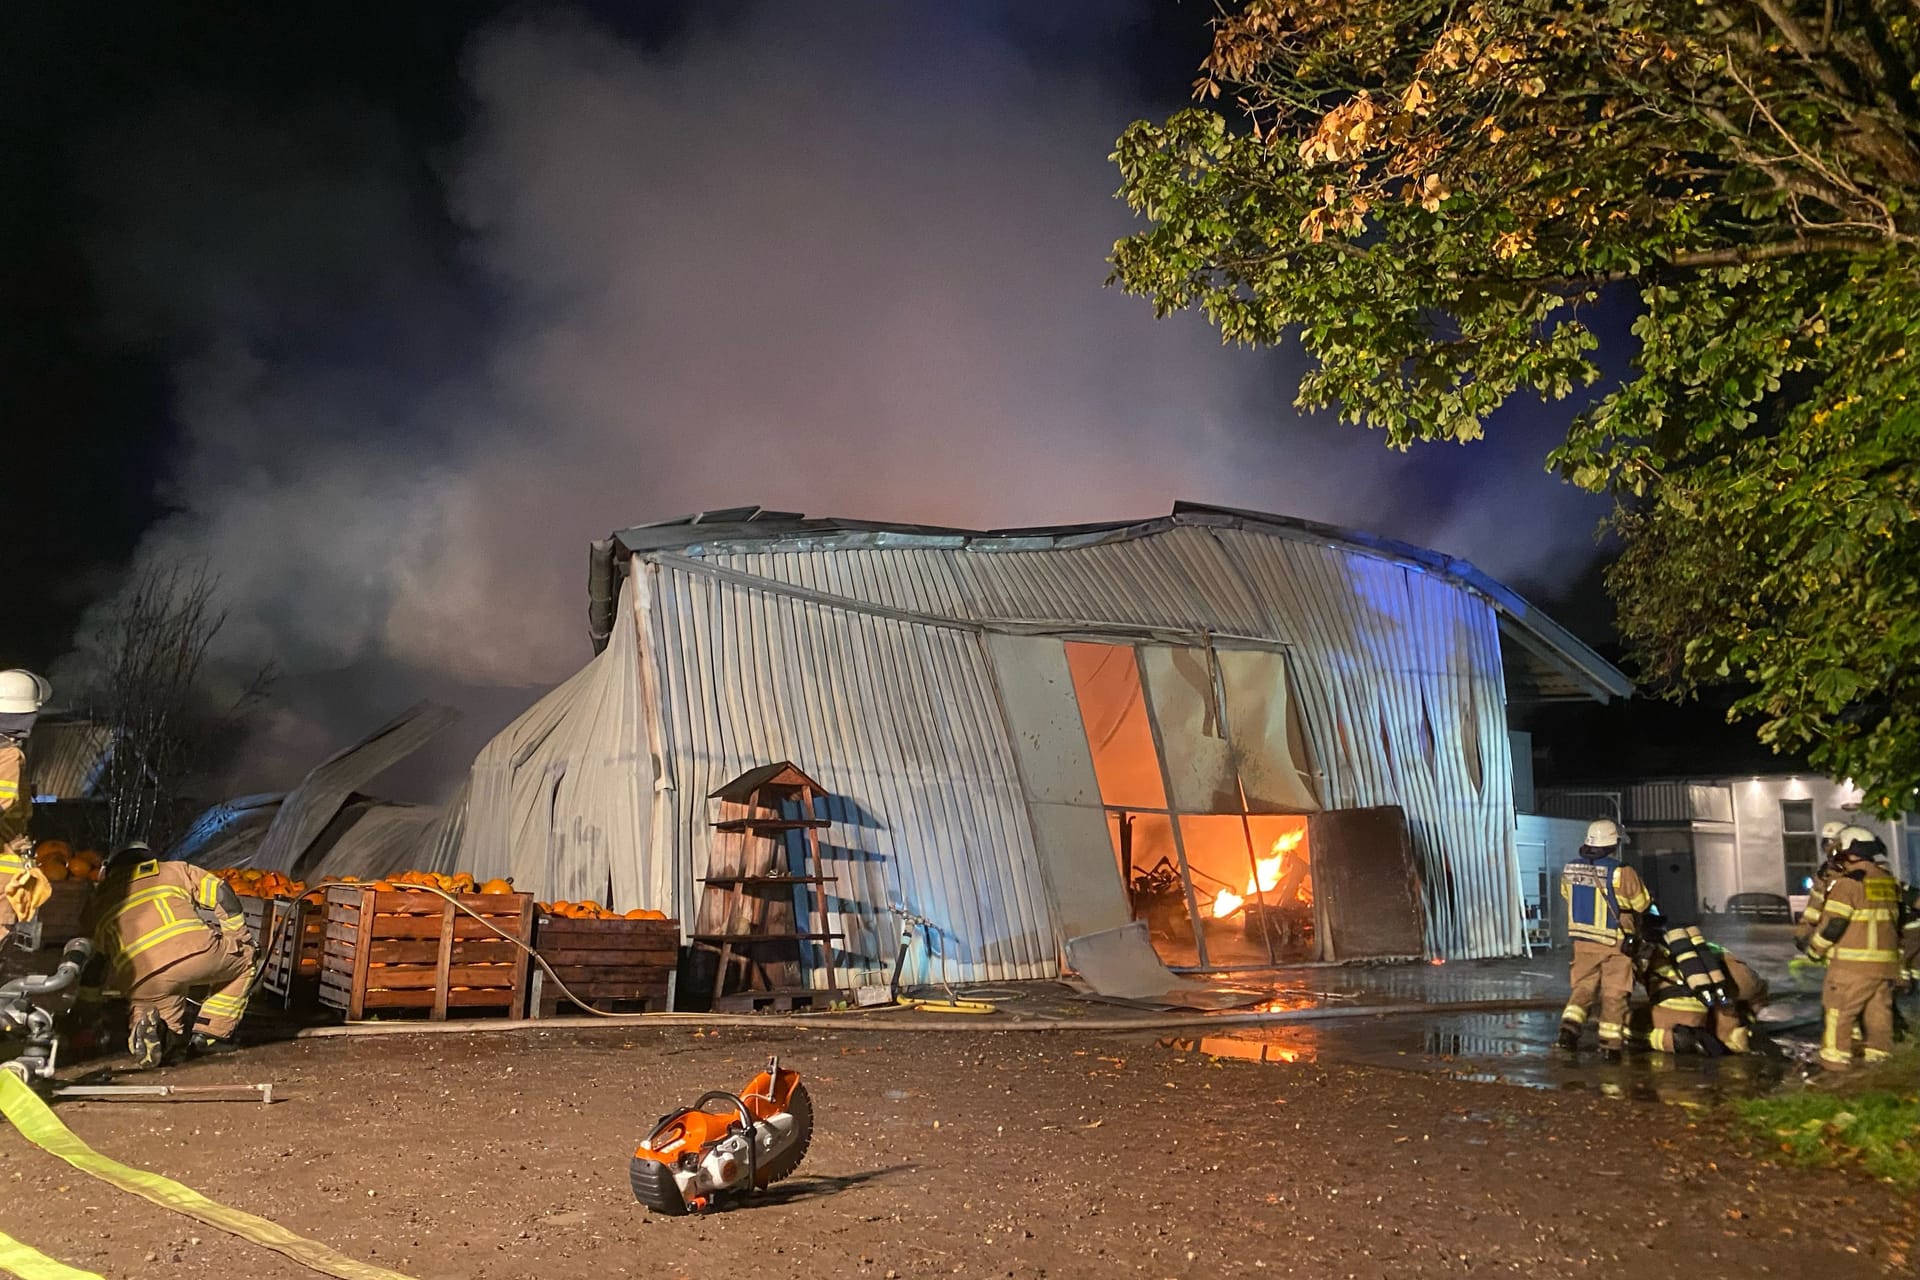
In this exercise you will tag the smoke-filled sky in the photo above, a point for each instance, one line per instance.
(395, 342)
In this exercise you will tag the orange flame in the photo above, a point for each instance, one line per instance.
(1267, 876)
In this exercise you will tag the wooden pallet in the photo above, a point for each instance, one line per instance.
(614, 965)
(406, 951)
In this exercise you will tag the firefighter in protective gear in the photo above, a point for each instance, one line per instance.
(1605, 902)
(1823, 878)
(1858, 936)
(1701, 997)
(23, 886)
(168, 928)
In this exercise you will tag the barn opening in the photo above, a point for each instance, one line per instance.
(1200, 764)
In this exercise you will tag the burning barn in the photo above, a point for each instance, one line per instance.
(1243, 737)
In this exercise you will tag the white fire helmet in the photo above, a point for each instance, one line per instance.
(1830, 833)
(1858, 842)
(23, 692)
(1602, 834)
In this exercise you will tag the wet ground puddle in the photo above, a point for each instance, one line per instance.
(1514, 1048)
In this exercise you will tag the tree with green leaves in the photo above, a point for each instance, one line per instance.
(1433, 199)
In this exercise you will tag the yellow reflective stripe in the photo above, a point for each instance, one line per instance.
(1841, 908)
(35, 1122)
(207, 892)
(147, 942)
(223, 1006)
(29, 1263)
(156, 894)
(1871, 955)
(1831, 1051)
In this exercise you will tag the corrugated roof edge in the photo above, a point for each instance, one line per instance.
(738, 528)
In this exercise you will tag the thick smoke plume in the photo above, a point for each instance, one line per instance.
(848, 264)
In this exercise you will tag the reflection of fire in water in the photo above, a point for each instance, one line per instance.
(1269, 871)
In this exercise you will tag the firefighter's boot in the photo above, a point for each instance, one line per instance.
(200, 1044)
(149, 1040)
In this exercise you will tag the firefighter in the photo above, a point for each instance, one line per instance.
(23, 887)
(1733, 1020)
(1605, 902)
(1701, 997)
(168, 928)
(1857, 934)
(1823, 876)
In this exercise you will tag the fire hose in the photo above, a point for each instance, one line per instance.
(37, 1123)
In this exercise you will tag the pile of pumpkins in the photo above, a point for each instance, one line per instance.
(458, 882)
(61, 861)
(594, 911)
(252, 882)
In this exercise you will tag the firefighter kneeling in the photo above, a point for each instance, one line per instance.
(1701, 998)
(168, 928)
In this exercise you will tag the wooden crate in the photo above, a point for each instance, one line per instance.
(289, 934)
(613, 965)
(410, 951)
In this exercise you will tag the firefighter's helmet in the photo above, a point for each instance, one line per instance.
(23, 692)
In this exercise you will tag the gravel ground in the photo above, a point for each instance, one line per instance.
(990, 1154)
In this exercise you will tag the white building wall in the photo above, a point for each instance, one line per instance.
(1758, 854)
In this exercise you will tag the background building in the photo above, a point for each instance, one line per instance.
(1703, 840)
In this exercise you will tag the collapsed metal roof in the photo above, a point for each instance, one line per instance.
(1543, 661)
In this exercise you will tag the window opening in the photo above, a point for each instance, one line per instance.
(1799, 844)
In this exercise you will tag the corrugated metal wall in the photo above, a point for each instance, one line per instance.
(898, 720)
(556, 800)
(868, 667)
(1401, 686)
(1399, 670)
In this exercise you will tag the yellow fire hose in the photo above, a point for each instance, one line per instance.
(29, 1263)
(37, 1124)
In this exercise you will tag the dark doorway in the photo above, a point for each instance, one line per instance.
(1671, 880)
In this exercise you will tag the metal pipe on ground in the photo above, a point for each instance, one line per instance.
(832, 1022)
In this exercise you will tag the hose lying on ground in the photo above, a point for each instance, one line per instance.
(815, 1022)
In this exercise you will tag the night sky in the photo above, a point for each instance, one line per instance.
(385, 310)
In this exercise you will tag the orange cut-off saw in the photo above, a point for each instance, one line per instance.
(725, 1146)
